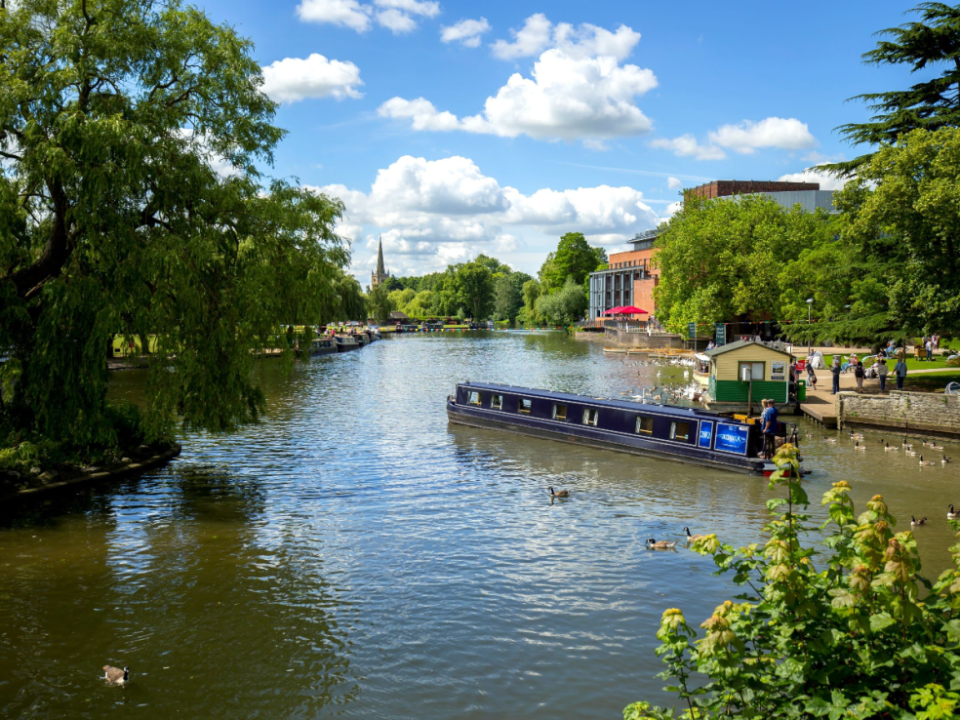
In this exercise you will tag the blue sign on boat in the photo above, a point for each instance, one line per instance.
(732, 438)
(706, 435)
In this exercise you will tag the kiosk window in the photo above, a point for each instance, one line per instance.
(559, 412)
(590, 416)
(680, 431)
(475, 398)
(524, 405)
(645, 426)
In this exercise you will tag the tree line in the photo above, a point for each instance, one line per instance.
(486, 288)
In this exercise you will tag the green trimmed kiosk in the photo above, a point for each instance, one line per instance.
(747, 369)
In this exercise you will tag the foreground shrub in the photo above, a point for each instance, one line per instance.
(834, 633)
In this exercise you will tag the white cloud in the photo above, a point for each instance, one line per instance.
(572, 94)
(745, 138)
(466, 32)
(395, 15)
(674, 183)
(346, 13)
(293, 79)
(812, 175)
(447, 210)
(201, 144)
(598, 145)
(531, 39)
(538, 34)
(672, 209)
(687, 146)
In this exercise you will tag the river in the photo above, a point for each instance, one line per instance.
(356, 556)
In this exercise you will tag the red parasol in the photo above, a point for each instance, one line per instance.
(631, 310)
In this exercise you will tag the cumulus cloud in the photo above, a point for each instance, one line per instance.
(466, 32)
(438, 210)
(674, 183)
(538, 34)
(746, 137)
(293, 79)
(812, 175)
(687, 146)
(395, 15)
(577, 90)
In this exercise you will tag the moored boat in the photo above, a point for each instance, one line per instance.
(661, 431)
(346, 342)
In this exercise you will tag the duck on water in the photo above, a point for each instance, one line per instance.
(662, 431)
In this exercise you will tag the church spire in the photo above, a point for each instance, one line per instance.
(380, 269)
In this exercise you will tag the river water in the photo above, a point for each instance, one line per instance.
(356, 556)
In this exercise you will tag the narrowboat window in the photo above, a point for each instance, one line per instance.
(496, 402)
(475, 398)
(679, 431)
(524, 405)
(559, 412)
(645, 426)
(590, 416)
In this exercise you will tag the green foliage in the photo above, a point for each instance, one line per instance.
(531, 293)
(475, 286)
(573, 258)
(508, 295)
(113, 218)
(564, 307)
(898, 245)
(380, 304)
(932, 41)
(723, 259)
(848, 631)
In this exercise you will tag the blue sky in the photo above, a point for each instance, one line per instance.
(498, 135)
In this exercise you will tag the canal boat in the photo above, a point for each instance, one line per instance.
(346, 343)
(323, 346)
(662, 431)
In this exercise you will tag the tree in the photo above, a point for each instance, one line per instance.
(928, 105)
(573, 258)
(850, 632)
(114, 115)
(394, 283)
(531, 292)
(380, 304)
(475, 286)
(564, 307)
(899, 230)
(721, 259)
(509, 295)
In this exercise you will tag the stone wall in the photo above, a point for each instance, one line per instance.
(908, 412)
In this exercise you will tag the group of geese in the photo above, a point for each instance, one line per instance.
(908, 448)
(951, 515)
(652, 543)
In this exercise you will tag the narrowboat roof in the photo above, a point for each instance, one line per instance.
(742, 344)
(661, 409)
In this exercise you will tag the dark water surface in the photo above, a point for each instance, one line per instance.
(355, 556)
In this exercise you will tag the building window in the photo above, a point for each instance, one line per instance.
(756, 370)
(644, 426)
(680, 431)
(496, 402)
(524, 405)
(475, 398)
(559, 412)
(590, 416)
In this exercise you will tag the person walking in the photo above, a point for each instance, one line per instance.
(882, 371)
(900, 370)
(835, 370)
(929, 348)
(858, 373)
(811, 376)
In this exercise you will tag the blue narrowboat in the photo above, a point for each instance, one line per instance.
(661, 431)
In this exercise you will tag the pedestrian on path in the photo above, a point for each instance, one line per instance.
(811, 376)
(882, 371)
(835, 370)
(858, 374)
(900, 370)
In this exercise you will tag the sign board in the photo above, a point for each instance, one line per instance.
(778, 370)
(801, 365)
(732, 438)
(706, 434)
(721, 334)
(692, 331)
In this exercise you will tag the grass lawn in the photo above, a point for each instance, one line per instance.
(938, 363)
(928, 382)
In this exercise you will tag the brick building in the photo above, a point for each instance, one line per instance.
(726, 188)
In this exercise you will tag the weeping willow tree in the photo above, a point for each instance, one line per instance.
(130, 202)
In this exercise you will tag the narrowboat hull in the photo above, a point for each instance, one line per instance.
(705, 427)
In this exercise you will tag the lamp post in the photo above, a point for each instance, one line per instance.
(809, 321)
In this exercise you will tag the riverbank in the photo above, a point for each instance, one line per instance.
(15, 484)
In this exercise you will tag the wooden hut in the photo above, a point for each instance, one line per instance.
(733, 367)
